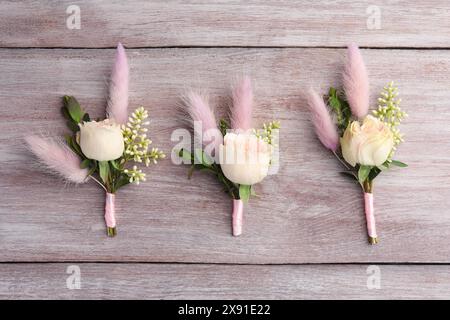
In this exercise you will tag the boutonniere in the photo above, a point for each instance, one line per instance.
(364, 143)
(238, 155)
(107, 151)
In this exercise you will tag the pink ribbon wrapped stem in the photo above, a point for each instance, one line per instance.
(237, 217)
(370, 218)
(110, 214)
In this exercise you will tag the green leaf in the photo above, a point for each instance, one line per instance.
(94, 167)
(363, 173)
(65, 113)
(86, 117)
(73, 145)
(333, 100)
(208, 170)
(72, 126)
(73, 108)
(224, 126)
(76, 147)
(68, 139)
(85, 163)
(198, 156)
(122, 181)
(337, 102)
(374, 173)
(104, 170)
(399, 164)
(202, 158)
(207, 161)
(185, 155)
(244, 192)
(114, 164)
(92, 170)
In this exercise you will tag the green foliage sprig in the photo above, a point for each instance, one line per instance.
(339, 105)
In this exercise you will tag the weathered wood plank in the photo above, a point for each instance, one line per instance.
(307, 213)
(179, 281)
(141, 23)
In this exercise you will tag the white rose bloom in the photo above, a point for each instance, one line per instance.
(245, 158)
(368, 144)
(101, 141)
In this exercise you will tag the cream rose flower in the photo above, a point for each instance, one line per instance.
(245, 158)
(368, 144)
(102, 141)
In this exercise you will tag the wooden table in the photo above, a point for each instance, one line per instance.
(305, 237)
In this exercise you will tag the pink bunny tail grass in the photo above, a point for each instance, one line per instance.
(199, 110)
(58, 157)
(117, 108)
(356, 82)
(241, 110)
(323, 123)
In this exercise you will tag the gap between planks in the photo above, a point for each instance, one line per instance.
(228, 47)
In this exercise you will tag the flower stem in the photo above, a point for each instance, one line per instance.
(101, 185)
(111, 232)
(368, 186)
(341, 161)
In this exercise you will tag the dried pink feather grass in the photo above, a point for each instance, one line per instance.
(58, 157)
(199, 110)
(117, 108)
(323, 123)
(241, 109)
(356, 82)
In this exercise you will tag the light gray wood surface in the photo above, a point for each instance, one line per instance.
(309, 222)
(306, 213)
(226, 23)
(186, 281)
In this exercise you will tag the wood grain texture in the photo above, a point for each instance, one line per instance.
(307, 213)
(141, 23)
(178, 281)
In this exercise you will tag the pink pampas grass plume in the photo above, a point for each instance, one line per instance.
(356, 82)
(118, 88)
(241, 110)
(323, 123)
(199, 110)
(58, 157)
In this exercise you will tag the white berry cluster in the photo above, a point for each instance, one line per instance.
(137, 144)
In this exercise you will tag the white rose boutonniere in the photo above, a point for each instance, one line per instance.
(108, 151)
(365, 144)
(242, 156)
